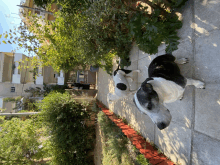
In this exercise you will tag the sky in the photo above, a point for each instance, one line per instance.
(8, 19)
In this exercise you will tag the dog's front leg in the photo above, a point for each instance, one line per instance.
(196, 83)
(129, 77)
(181, 60)
(132, 92)
(136, 71)
(131, 74)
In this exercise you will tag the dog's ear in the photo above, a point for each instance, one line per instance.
(147, 79)
(147, 87)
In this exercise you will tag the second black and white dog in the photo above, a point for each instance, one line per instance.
(164, 85)
(122, 87)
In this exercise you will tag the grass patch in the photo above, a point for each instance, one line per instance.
(114, 142)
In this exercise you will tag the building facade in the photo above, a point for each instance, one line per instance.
(13, 80)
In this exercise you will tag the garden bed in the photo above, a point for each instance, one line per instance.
(144, 147)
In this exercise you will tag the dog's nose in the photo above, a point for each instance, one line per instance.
(161, 125)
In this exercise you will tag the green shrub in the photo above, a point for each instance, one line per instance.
(95, 108)
(65, 120)
(20, 141)
(149, 31)
(12, 99)
(30, 105)
(57, 88)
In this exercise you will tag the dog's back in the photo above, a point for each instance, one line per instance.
(165, 67)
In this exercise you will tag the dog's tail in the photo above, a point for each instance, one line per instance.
(119, 62)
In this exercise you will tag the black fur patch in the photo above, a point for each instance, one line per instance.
(165, 67)
(161, 125)
(126, 71)
(121, 86)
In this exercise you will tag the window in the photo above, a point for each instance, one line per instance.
(12, 89)
(13, 67)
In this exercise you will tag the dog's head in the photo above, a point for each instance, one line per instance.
(147, 101)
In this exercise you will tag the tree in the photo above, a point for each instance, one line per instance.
(94, 33)
(42, 3)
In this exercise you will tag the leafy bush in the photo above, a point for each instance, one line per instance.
(20, 141)
(30, 105)
(12, 99)
(150, 30)
(57, 88)
(65, 120)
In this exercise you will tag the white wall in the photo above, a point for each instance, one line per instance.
(16, 78)
(60, 80)
(1, 65)
(1, 102)
(40, 80)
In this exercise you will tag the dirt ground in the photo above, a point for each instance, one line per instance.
(98, 147)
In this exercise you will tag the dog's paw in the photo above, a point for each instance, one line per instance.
(182, 61)
(200, 84)
(138, 71)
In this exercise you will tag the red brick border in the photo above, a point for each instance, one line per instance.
(142, 145)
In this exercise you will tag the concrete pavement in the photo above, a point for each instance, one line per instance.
(193, 136)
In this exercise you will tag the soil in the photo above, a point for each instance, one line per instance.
(98, 146)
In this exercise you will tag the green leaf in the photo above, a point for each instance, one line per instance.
(6, 36)
(4, 42)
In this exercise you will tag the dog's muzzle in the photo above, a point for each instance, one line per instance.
(160, 116)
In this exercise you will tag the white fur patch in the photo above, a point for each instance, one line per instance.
(168, 91)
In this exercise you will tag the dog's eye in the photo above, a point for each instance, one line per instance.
(149, 106)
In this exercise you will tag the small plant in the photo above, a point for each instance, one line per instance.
(2, 110)
(95, 108)
(142, 160)
(9, 99)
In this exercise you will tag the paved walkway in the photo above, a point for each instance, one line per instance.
(193, 136)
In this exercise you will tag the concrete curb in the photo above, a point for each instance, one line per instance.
(141, 144)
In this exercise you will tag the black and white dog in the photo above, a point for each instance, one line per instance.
(122, 88)
(164, 85)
